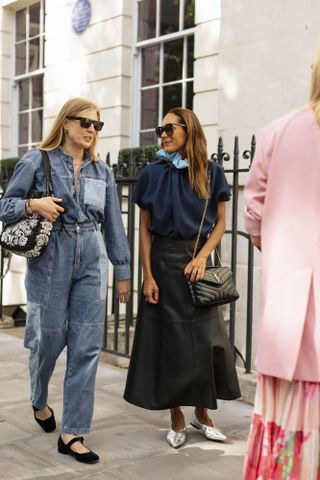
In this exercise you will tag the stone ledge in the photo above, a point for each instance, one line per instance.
(248, 383)
(6, 322)
(114, 359)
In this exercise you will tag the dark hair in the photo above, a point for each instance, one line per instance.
(196, 150)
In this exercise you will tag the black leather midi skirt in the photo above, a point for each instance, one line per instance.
(181, 353)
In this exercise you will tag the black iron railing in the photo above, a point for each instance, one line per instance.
(120, 320)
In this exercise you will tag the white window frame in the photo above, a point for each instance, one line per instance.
(157, 40)
(27, 75)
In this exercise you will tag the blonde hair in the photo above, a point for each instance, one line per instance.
(315, 85)
(56, 136)
(196, 151)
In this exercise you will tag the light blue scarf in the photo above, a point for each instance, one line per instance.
(174, 157)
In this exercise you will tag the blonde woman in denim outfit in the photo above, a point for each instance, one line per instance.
(66, 285)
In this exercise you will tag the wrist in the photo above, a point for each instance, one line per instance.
(28, 207)
(147, 275)
(204, 255)
(32, 204)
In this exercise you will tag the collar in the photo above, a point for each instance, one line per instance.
(175, 158)
(87, 156)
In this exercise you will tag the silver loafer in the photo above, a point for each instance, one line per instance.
(211, 433)
(176, 439)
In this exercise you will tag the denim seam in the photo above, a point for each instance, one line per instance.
(68, 374)
(49, 267)
(37, 369)
(102, 294)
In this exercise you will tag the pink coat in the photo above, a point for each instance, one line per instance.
(282, 198)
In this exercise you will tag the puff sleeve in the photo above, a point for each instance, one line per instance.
(219, 185)
(142, 195)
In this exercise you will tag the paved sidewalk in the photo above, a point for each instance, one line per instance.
(130, 441)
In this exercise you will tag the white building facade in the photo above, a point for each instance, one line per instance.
(238, 64)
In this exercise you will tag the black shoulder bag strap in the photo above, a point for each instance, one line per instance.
(47, 169)
(205, 211)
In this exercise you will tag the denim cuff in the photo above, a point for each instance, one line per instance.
(20, 209)
(122, 272)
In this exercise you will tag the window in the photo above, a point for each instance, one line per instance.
(29, 46)
(166, 52)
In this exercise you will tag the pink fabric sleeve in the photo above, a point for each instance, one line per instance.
(255, 190)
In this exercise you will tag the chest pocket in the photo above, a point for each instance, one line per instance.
(95, 192)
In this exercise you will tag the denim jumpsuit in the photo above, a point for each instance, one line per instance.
(66, 286)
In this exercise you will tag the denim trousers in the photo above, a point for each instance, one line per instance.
(66, 293)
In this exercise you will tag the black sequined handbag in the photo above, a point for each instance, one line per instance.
(30, 236)
(217, 286)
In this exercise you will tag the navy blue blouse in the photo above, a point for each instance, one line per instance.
(176, 210)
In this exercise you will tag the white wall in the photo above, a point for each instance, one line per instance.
(207, 32)
(266, 49)
(95, 64)
(6, 70)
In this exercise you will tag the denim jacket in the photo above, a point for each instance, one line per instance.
(92, 198)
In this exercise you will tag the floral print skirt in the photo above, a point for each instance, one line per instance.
(284, 436)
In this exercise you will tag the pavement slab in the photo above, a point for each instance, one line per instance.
(130, 441)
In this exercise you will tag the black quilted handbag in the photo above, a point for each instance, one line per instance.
(30, 236)
(217, 286)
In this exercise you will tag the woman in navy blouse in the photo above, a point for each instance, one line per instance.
(181, 354)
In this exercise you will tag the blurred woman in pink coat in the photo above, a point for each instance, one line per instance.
(282, 217)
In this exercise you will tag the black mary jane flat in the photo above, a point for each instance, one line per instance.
(65, 449)
(48, 425)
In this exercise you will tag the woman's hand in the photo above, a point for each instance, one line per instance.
(123, 290)
(196, 268)
(151, 290)
(47, 207)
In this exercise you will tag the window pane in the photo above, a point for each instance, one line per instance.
(24, 94)
(37, 91)
(172, 97)
(150, 65)
(169, 19)
(173, 60)
(148, 138)
(149, 108)
(34, 50)
(147, 19)
(20, 58)
(189, 99)
(34, 26)
(23, 127)
(190, 56)
(21, 25)
(36, 133)
(188, 14)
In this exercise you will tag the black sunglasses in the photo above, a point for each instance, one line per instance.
(168, 128)
(87, 122)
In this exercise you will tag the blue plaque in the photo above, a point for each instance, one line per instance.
(81, 15)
